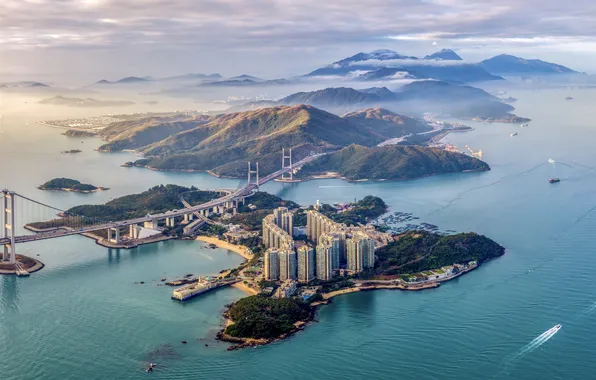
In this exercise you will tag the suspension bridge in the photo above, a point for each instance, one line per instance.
(68, 224)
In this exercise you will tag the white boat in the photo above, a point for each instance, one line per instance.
(557, 328)
(513, 134)
(551, 161)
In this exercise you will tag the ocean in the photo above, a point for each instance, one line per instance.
(85, 315)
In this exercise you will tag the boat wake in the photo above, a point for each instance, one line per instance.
(528, 348)
(538, 341)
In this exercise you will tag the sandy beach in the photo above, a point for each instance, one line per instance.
(239, 249)
(246, 289)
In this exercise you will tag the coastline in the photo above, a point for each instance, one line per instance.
(362, 286)
(239, 249)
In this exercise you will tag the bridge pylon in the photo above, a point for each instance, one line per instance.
(256, 172)
(284, 159)
(8, 226)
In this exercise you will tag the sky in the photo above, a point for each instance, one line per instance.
(88, 40)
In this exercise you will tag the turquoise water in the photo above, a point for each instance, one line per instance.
(83, 316)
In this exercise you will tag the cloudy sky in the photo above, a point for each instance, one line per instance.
(94, 39)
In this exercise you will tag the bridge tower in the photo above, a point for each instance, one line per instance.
(8, 226)
(284, 159)
(256, 171)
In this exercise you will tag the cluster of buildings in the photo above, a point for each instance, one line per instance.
(331, 247)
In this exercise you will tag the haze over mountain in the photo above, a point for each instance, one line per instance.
(442, 65)
(414, 99)
(510, 65)
(445, 55)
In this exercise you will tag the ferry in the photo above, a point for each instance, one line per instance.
(554, 180)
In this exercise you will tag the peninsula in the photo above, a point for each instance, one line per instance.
(307, 255)
(67, 184)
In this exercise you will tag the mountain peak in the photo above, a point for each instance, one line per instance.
(444, 55)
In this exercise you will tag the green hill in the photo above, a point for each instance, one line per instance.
(134, 134)
(224, 144)
(421, 250)
(392, 162)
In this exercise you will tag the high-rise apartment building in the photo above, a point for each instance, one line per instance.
(283, 218)
(287, 265)
(274, 236)
(324, 260)
(361, 252)
(306, 264)
(271, 265)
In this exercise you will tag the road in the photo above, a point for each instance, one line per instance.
(241, 193)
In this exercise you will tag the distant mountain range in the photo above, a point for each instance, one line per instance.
(377, 66)
(414, 98)
(444, 65)
(385, 64)
(510, 65)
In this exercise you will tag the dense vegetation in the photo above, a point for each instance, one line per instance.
(134, 134)
(421, 250)
(362, 211)
(158, 199)
(222, 144)
(79, 133)
(261, 317)
(392, 162)
(266, 201)
(67, 184)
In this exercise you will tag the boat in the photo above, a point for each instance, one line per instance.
(551, 161)
(150, 367)
(557, 327)
(569, 98)
(554, 180)
(524, 125)
(513, 134)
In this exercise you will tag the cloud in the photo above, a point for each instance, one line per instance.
(289, 30)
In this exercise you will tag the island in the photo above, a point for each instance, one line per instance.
(68, 184)
(79, 133)
(84, 102)
(222, 144)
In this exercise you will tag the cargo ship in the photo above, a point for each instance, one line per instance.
(203, 285)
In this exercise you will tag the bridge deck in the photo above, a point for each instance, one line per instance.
(244, 192)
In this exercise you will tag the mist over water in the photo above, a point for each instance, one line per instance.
(83, 316)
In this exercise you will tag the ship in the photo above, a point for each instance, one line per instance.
(557, 328)
(513, 134)
(554, 180)
(569, 98)
(551, 161)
